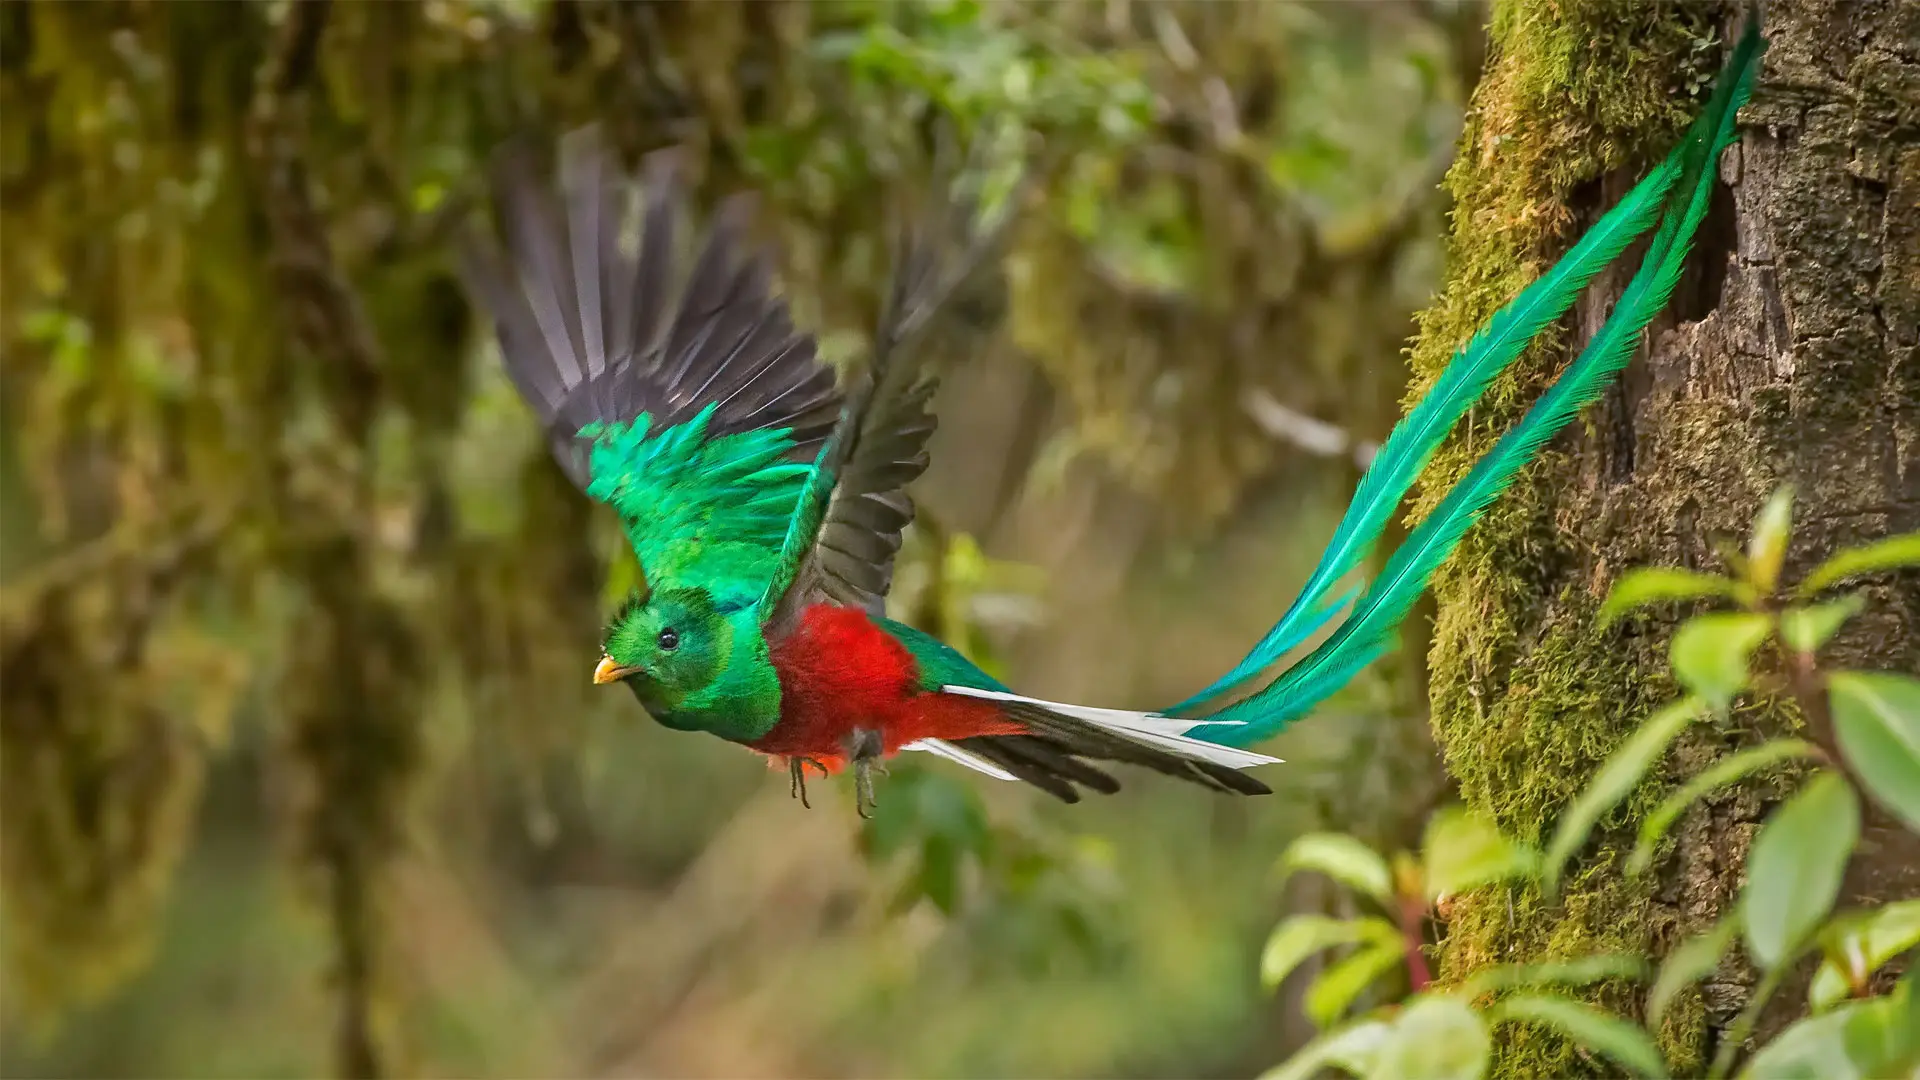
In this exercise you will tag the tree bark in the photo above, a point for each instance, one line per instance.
(1787, 356)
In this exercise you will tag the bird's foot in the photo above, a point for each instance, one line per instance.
(864, 747)
(863, 801)
(797, 774)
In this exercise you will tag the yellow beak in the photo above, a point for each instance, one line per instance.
(607, 671)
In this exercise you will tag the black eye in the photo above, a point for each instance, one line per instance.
(669, 640)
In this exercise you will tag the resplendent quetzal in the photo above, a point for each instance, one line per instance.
(766, 504)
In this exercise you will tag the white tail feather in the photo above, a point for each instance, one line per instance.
(955, 754)
(960, 756)
(1167, 733)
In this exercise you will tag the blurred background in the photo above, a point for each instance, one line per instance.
(300, 769)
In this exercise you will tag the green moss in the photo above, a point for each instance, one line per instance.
(1502, 928)
(1528, 696)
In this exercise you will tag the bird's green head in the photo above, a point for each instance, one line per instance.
(666, 645)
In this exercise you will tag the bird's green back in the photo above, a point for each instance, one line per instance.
(939, 663)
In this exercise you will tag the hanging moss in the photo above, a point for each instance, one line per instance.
(104, 757)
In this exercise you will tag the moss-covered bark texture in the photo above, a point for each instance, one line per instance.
(1789, 355)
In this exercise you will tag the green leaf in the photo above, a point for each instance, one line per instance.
(1860, 947)
(1805, 629)
(1592, 1028)
(1794, 869)
(1337, 986)
(1727, 770)
(1650, 584)
(1861, 1040)
(1620, 774)
(1891, 553)
(1304, 935)
(1694, 960)
(1436, 1037)
(1768, 548)
(1351, 1049)
(1813, 1049)
(1463, 851)
(1877, 719)
(1710, 653)
(1342, 858)
(1581, 971)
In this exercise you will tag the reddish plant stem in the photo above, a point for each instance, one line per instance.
(1412, 912)
(1808, 685)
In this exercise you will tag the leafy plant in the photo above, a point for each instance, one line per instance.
(1863, 740)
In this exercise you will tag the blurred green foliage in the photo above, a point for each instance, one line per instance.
(288, 574)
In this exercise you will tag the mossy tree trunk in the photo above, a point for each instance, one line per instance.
(1788, 356)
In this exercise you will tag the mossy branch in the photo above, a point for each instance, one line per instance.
(351, 732)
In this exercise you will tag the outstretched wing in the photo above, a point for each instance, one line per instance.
(846, 532)
(599, 329)
(682, 397)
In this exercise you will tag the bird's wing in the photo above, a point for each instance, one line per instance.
(679, 394)
(843, 538)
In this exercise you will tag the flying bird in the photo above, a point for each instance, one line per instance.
(765, 501)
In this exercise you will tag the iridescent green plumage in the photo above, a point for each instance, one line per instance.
(699, 507)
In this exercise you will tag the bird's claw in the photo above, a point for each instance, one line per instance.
(797, 775)
(864, 747)
(863, 800)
